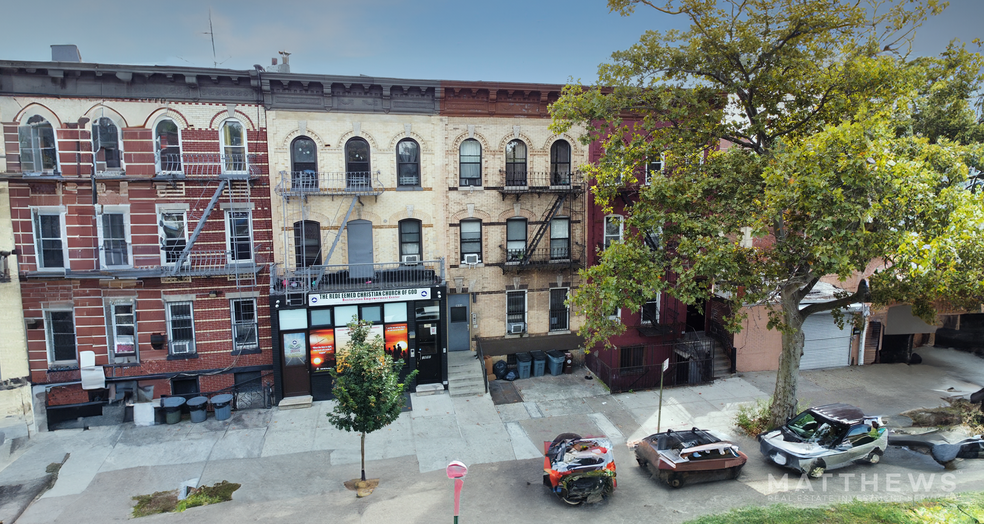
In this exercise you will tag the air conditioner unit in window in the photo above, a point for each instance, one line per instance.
(471, 260)
(411, 260)
(515, 328)
(181, 348)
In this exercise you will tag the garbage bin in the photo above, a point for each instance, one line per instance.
(172, 409)
(196, 407)
(523, 362)
(539, 362)
(223, 406)
(568, 363)
(555, 362)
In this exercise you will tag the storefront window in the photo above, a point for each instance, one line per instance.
(321, 317)
(372, 314)
(395, 312)
(344, 314)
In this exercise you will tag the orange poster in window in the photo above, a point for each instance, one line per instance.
(322, 343)
(397, 341)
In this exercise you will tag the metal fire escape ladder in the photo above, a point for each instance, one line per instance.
(544, 227)
(341, 230)
(198, 229)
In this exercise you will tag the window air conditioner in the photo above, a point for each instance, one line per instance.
(181, 348)
(516, 328)
(411, 260)
(471, 260)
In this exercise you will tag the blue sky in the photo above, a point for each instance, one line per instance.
(539, 41)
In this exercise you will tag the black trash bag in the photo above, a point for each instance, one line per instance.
(499, 369)
(511, 375)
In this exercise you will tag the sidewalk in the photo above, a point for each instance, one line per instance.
(278, 452)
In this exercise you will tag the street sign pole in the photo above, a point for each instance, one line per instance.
(457, 471)
(659, 417)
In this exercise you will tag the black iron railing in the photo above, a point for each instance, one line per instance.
(682, 371)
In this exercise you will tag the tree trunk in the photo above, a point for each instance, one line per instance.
(784, 400)
(363, 455)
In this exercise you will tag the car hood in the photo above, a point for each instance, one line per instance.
(799, 449)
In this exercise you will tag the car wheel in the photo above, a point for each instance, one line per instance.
(875, 456)
(642, 462)
(736, 472)
(570, 501)
(816, 471)
(676, 481)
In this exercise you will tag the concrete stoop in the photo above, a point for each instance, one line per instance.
(304, 401)
(465, 374)
(429, 389)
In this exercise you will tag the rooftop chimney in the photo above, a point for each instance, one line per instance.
(65, 53)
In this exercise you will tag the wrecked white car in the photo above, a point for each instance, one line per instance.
(826, 437)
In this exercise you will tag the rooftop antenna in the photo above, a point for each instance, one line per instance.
(211, 34)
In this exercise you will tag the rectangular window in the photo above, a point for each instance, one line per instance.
(515, 311)
(174, 236)
(613, 229)
(560, 239)
(244, 324)
(180, 328)
(122, 334)
(470, 163)
(115, 248)
(515, 239)
(654, 167)
(631, 357)
(37, 148)
(239, 236)
(558, 309)
(410, 250)
(471, 241)
(60, 331)
(650, 312)
(49, 242)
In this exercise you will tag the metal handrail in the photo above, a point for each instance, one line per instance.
(356, 277)
(304, 183)
(206, 164)
(523, 180)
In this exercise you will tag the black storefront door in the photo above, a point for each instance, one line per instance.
(428, 353)
(294, 362)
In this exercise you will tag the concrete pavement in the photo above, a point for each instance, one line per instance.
(292, 463)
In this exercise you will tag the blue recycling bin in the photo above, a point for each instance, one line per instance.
(523, 363)
(539, 362)
(172, 409)
(223, 406)
(196, 408)
(555, 362)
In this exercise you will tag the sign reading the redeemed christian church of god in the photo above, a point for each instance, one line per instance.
(359, 297)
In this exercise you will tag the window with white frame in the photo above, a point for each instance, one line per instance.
(106, 146)
(613, 229)
(180, 328)
(654, 167)
(60, 334)
(38, 154)
(239, 236)
(650, 311)
(470, 163)
(558, 309)
(114, 228)
(49, 238)
(410, 240)
(515, 312)
(173, 234)
(233, 138)
(122, 334)
(244, 324)
(515, 239)
(471, 241)
(408, 163)
(560, 238)
(167, 146)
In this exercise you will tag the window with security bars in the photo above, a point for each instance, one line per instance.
(37, 147)
(631, 357)
(470, 163)
(60, 327)
(180, 328)
(48, 241)
(116, 251)
(239, 236)
(244, 324)
(558, 309)
(408, 163)
(122, 341)
(515, 307)
(560, 239)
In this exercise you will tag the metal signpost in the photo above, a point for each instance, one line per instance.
(457, 471)
(659, 417)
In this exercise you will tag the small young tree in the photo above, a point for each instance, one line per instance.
(367, 389)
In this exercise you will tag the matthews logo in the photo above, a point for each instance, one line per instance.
(848, 486)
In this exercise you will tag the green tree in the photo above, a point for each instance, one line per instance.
(368, 393)
(777, 120)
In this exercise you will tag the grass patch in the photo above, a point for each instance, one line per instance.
(167, 501)
(958, 509)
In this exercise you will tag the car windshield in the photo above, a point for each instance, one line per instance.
(809, 428)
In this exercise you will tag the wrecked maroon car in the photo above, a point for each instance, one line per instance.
(691, 456)
(579, 469)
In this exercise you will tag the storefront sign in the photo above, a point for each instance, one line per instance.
(361, 297)
(322, 343)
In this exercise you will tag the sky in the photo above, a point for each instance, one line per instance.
(535, 41)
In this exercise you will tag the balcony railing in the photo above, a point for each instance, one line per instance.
(540, 181)
(197, 264)
(356, 277)
(542, 256)
(351, 183)
(206, 164)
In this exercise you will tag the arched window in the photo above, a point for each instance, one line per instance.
(167, 142)
(233, 147)
(106, 145)
(303, 164)
(357, 165)
(515, 239)
(470, 163)
(560, 163)
(408, 163)
(516, 163)
(307, 243)
(37, 147)
(411, 241)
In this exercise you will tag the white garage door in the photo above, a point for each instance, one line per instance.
(826, 346)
